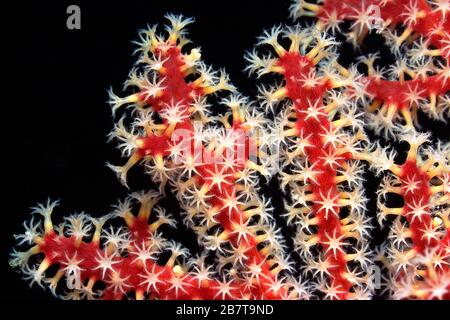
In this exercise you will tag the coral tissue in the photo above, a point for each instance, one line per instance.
(310, 130)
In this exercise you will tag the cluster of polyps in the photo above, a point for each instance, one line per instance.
(418, 34)
(213, 163)
(418, 247)
(209, 167)
(323, 176)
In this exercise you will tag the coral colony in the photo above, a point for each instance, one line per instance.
(308, 131)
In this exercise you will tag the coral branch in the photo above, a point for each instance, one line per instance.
(420, 78)
(319, 148)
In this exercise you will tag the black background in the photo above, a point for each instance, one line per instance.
(55, 116)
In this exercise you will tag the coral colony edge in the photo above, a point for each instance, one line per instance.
(309, 131)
